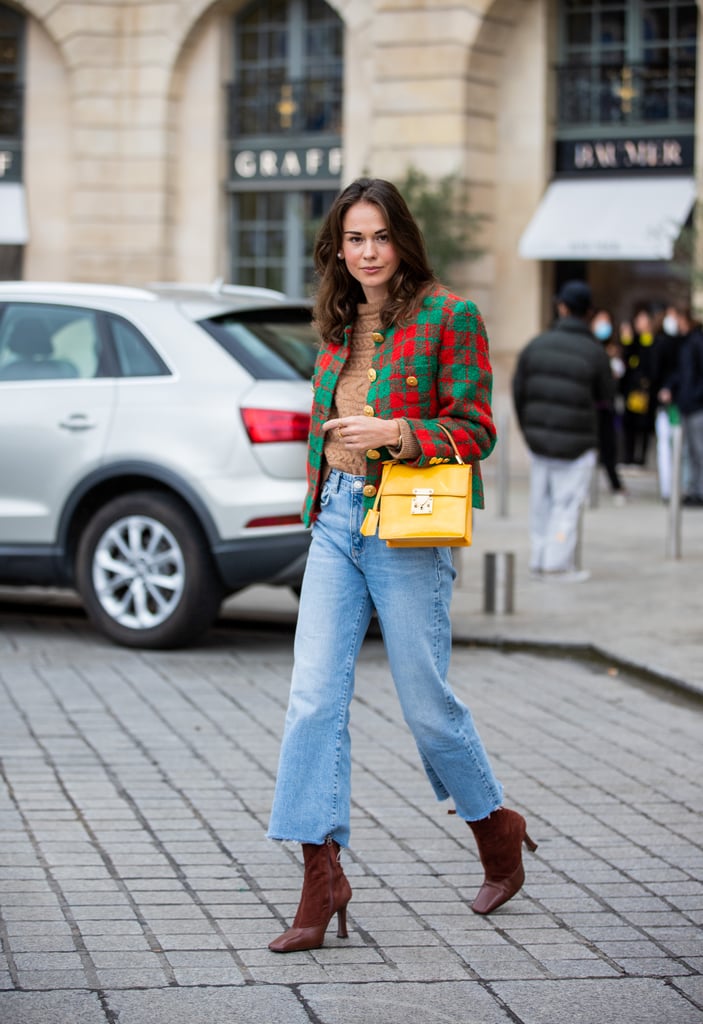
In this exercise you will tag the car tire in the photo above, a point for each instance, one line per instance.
(144, 572)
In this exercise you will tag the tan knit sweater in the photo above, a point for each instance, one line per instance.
(350, 396)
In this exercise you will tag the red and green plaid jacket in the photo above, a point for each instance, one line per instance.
(437, 369)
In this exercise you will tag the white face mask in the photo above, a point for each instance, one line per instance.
(671, 324)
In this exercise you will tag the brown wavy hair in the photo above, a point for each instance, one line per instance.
(338, 293)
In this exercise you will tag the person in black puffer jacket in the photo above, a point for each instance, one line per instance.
(685, 388)
(561, 377)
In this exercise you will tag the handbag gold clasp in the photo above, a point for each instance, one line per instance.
(422, 501)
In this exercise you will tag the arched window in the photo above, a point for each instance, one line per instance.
(284, 138)
(288, 69)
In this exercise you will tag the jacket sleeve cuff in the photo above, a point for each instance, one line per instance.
(408, 448)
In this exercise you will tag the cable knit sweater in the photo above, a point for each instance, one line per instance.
(350, 397)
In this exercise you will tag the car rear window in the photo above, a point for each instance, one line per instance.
(271, 344)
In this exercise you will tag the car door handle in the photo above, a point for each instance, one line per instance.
(77, 422)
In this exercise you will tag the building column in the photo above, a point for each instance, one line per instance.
(118, 60)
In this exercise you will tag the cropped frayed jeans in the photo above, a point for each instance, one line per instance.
(346, 577)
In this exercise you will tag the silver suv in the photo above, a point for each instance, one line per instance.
(152, 448)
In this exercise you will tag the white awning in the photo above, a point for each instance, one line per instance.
(13, 214)
(618, 219)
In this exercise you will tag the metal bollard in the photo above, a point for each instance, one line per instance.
(498, 582)
(578, 550)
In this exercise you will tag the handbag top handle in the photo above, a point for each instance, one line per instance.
(452, 442)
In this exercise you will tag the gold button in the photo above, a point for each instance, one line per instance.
(373, 454)
(368, 410)
(369, 491)
(372, 375)
(434, 461)
(377, 337)
(411, 382)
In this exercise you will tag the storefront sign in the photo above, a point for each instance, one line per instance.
(628, 154)
(10, 164)
(303, 164)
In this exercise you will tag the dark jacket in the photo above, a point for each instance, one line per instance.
(665, 360)
(560, 376)
(638, 356)
(686, 383)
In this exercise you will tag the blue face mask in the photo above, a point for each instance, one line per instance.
(603, 330)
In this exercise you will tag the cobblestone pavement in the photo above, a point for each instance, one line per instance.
(137, 886)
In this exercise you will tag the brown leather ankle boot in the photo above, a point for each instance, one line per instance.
(499, 838)
(326, 891)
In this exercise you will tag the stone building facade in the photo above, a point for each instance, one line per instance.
(135, 162)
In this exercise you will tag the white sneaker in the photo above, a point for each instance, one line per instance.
(567, 576)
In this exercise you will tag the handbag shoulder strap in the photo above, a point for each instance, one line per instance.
(370, 523)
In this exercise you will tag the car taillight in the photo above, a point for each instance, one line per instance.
(265, 426)
(275, 521)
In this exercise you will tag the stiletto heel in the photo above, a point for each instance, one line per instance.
(530, 843)
(326, 891)
(342, 932)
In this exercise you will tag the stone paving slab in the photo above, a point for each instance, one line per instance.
(43, 1007)
(136, 884)
(644, 1001)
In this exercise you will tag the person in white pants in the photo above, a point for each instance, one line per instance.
(558, 493)
(562, 378)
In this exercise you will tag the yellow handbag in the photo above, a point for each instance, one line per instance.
(637, 402)
(423, 508)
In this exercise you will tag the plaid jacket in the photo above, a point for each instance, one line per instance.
(435, 369)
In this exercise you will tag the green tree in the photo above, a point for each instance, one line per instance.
(686, 268)
(441, 209)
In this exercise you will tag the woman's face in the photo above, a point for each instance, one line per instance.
(643, 322)
(367, 250)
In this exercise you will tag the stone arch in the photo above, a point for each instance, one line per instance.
(194, 194)
(506, 155)
(485, 58)
(37, 10)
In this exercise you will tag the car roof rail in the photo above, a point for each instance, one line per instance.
(63, 288)
(217, 287)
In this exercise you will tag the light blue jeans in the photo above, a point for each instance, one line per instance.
(558, 491)
(347, 576)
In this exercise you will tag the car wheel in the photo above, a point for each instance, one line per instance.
(144, 572)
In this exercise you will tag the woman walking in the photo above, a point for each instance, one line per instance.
(400, 355)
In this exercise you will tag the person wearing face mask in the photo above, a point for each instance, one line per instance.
(665, 358)
(608, 415)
